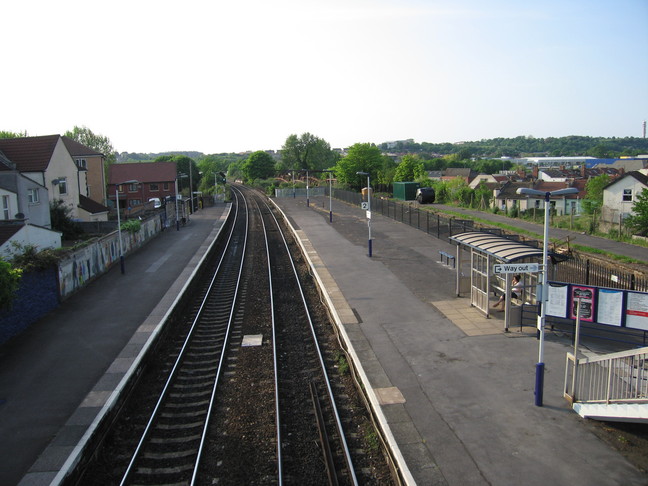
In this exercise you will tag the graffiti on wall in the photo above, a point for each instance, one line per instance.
(90, 262)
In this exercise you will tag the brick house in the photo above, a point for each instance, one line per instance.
(146, 180)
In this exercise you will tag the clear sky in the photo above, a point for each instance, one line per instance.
(217, 76)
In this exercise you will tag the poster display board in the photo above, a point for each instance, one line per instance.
(609, 309)
(584, 295)
(557, 303)
(637, 310)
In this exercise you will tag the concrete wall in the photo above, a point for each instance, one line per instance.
(89, 262)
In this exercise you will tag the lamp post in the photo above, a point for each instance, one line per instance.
(121, 244)
(539, 380)
(293, 181)
(307, 195)
(191, 206)
(330, 180)
(368, 207)
(177, 205)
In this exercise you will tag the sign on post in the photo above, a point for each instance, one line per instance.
(364, 205)
(516, 268)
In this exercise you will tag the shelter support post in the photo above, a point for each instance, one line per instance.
(458, 271)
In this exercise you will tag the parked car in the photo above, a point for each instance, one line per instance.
(156, 202)
(425, 195)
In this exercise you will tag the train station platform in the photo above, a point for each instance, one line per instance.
(454, 391)
(60, 374)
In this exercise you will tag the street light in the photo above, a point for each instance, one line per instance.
(330, 178)
(539, 382)
(179, 176)
(307, 196)
(121, 245)
(368, 207)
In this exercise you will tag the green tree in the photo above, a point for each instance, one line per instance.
(638, 220)
(61, 220)
(307, 152)
(409, 169)
(594, 193)
(259, 165)
(361, 157)
(97, 142)
(9, 283)
(7, 134)
(184, 164)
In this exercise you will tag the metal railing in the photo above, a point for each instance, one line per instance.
(614, 378)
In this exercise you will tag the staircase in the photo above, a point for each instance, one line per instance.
(612, 387)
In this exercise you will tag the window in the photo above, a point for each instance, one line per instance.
(32, 196)
(154, 187)
(62, 185)
(627, 195)
(165, 186)
(5, 207)
(82, 163)
(132, 187)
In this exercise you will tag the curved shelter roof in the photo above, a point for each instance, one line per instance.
(500, 247)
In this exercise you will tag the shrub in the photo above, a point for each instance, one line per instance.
(131, 225)
(9, 283)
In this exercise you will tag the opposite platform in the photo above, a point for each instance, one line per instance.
(454, 393)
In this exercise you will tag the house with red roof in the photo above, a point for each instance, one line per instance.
(138, 182)
(47, 161)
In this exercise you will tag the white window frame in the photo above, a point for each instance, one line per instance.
(6, 207)
(32, 196)
(626, 195)
(62, 186)
(82, 163)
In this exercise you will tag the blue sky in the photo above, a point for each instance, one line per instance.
(218, 76)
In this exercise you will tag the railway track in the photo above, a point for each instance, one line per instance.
(246, 396)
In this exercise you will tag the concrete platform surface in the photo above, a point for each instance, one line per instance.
(456, 391)
(58, 375)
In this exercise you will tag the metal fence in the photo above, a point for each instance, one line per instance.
(575, 270)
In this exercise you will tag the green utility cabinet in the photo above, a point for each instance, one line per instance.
(405, 191)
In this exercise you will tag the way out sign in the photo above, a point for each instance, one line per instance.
(516, 268)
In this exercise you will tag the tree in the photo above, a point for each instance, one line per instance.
(62, 221)
(97, 142)
(184, 164)
(361, 157)
(259, 165)
(409, 169)
(638, 220)
(9, 283)
(594, 193)
(307, 152)
(7, 134)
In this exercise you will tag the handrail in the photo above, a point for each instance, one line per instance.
(620, 377)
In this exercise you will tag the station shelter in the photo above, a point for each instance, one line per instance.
(487, 250)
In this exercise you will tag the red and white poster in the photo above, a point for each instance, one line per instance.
(637, 310)
(584, 295)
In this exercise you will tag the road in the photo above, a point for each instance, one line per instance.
(639, 253)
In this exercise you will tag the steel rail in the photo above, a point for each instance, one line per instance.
(176, 366)
(220, 362)
(274, 353)
(338, 421)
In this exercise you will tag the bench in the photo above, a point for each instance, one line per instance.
(445, 258)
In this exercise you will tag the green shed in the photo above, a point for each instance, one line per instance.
(405, 191)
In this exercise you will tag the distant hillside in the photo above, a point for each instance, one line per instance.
(601, 147)
(138, 157)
